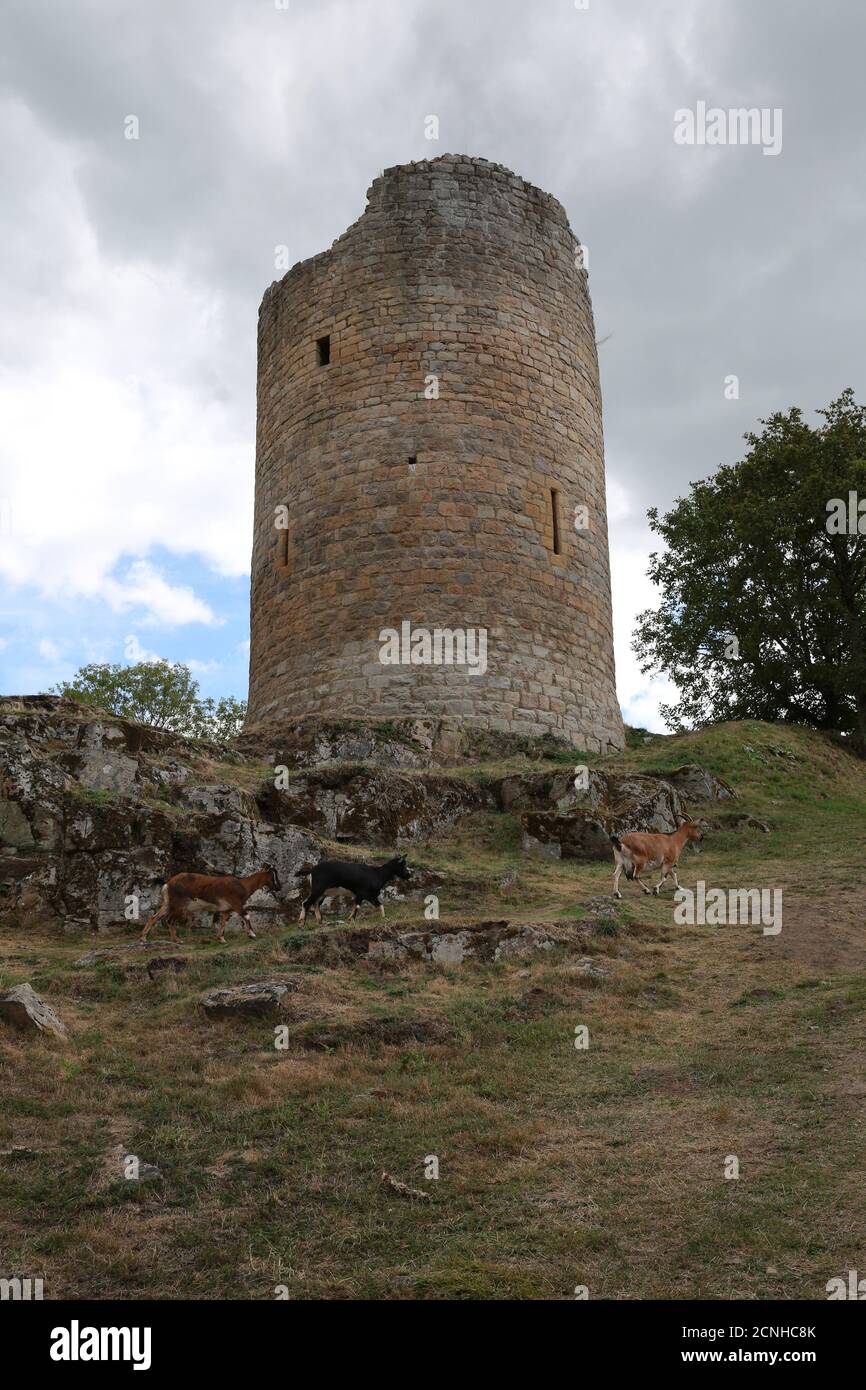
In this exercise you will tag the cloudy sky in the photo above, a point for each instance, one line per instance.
(132, 270)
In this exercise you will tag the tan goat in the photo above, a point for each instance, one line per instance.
(636, 852)
(219, 894)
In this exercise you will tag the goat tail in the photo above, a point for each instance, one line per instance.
(622, 850)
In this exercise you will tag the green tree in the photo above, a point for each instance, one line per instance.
(159, 693)
(763, 608)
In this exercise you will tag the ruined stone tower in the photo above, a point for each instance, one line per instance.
(430, 461)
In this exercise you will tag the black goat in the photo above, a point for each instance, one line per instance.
(365, 881)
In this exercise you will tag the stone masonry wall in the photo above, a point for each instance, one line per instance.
(435, 511)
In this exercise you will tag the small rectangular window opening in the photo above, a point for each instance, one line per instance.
(323, 350)
(412, 460)
(554, 516)
(282, 549)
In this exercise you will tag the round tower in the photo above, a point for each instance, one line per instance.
(430, 522)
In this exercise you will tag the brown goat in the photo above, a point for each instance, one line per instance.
(637, 852)
(219, 894)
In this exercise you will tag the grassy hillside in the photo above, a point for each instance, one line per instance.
(558, 1167)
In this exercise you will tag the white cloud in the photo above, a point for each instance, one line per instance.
(49, 650)
(114, 440)
(135, 653)
(168, 604)
(619, 503)
(639, 695)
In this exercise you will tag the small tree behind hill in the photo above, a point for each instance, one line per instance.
(160, 693)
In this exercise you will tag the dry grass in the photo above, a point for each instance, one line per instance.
(602, 1167)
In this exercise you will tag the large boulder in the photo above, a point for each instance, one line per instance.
(581, 835)
(613, 803)
(545, 791)
(696, 784)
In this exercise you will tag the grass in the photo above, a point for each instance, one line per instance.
(558, 1166)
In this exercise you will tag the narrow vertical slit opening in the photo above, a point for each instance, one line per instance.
(554, 518)
(323, 350)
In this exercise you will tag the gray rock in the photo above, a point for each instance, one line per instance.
(219, 800)
(120, 952)
(24, 1010)
(103, 763)
(615, 804)
(121, 1165)
(696, 784)
(14, 826)
(135, 1170)
(372, 805)
(481, 941)
(587, 966)
(257, 999)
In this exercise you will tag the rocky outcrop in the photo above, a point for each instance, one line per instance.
(613, 803)
(96, 813)
(396, 743)
(399, 743)
(488, 941)
(370, 805)
(445, 943)
(547, 791)
(578, 836)
(23, 1009)
(696, 784)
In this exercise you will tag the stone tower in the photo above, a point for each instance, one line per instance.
(430, 468)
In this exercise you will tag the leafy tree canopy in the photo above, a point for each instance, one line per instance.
(763, 581)
(159, 693)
